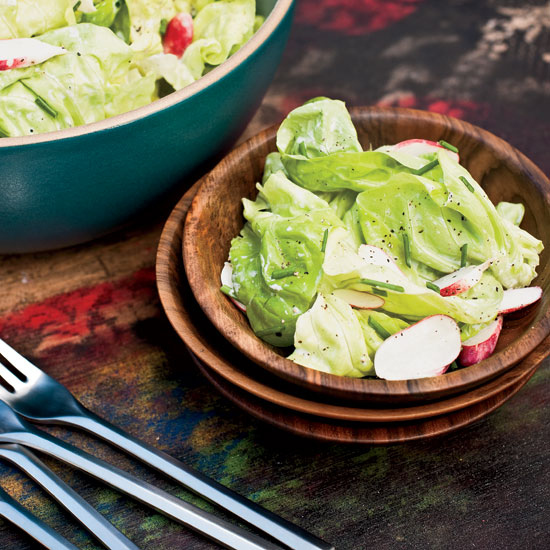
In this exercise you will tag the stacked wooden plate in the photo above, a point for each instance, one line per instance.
(260, 380)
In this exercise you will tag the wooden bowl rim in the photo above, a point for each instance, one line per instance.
(455, 381)
(331, 431)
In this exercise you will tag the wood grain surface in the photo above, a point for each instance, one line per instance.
(215, 217)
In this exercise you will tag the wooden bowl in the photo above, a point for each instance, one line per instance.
(367, 433)
(232, 373)
(215, 217)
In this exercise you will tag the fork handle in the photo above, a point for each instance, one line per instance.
(217, 529)
(90, 518)
(280, 529)
(11, 510)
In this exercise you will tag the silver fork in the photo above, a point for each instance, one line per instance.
(13, 429)
(38, 397)
(90, 518)
(11, 510)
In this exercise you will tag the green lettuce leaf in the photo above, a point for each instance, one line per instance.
(105, 14)
(273, 163)
(26, 18)
(229, 22)
(317, 128)
(169, 67)
(329, 338)
(338, 171)
(514, 266)
(277, 258)
(144, 18)
(512, 212)
(92, 81)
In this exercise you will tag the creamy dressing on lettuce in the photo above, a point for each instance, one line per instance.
(115, 60)
(321, 198)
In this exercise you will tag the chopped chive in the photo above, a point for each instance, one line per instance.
(282, 273)
(45, 107)
(453, 366)
(407, 248)
(382, 284)
(433, 287)
(268, 331)
(163, 26)
(466, 183)
(379, 291)
(77, 5)
(226, 290)
(426, 168)
(463, 254)
(447, 145)
(302, 149)
(382, 332)
(325, 238)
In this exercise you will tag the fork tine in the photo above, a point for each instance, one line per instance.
(10, 378)
(18, 361)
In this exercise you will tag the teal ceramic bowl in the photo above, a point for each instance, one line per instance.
(71, 186)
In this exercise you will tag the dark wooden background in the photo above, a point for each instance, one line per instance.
(90, 315)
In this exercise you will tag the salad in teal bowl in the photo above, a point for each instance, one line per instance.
(109, 108)
(65, 63)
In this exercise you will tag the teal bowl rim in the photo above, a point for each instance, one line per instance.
(276, 16)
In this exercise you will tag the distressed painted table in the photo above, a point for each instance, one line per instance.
(90, 316)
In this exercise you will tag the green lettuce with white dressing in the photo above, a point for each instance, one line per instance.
(324, 199)
(115, 60)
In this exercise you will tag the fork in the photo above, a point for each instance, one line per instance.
(11, 510)
(13, 429)
(39, 398)
(26, 461)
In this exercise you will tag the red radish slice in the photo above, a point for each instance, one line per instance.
(179, 34)
(374, 255)
(419, 147)
(238, 304)
(87, 6)
(359, 300)
(226, 277)
(461, 280)
(25, 52)
(517, 298)
(480, 346)
(424, 349)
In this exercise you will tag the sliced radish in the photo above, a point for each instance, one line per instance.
(480, 346)
(419, 147)
(179, 34)
(238, 304)
(461, 280)
(374, 255)
(517, 298)
(86, 6)
(226, 277)
(424, 349)
(359, 300)
(24, 52)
